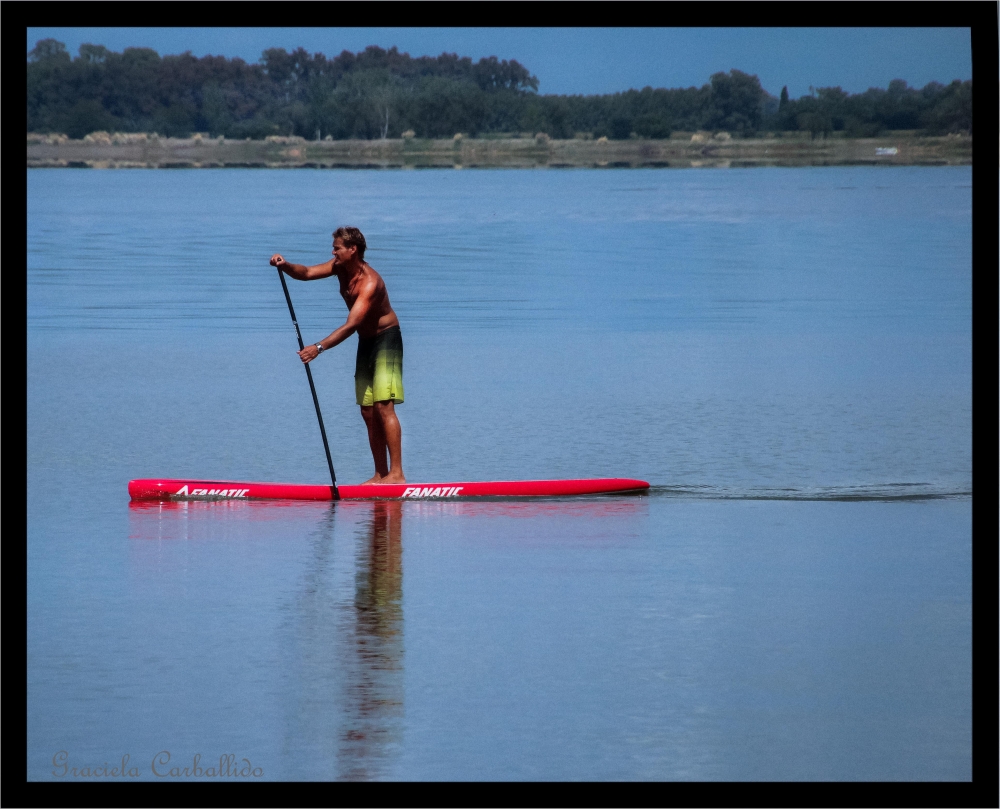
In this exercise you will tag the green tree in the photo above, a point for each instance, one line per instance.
(492, 74)
(832, 107)
(949, 109)
(816, 123)
(49, 50)
(736, 103)
(88, 116)
(621, 127)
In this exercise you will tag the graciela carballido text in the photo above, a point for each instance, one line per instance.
(161, 766)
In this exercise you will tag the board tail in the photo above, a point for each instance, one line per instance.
(170, 489)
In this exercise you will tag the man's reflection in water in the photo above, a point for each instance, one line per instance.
(373, 703)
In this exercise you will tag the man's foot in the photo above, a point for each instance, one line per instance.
(377, 479)
(393, 477)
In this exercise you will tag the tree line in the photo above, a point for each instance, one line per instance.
(381, 93)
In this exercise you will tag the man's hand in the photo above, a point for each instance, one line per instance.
(309, 353)
(277, 260)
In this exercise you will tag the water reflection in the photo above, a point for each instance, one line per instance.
(373, 688)
(303, 605)
(337, 666)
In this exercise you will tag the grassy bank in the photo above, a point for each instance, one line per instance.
(683, 150)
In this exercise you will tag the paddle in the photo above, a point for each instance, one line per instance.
(312, 387)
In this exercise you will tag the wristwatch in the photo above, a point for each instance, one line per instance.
(319, 348)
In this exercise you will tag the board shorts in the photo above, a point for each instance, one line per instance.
(378, 375)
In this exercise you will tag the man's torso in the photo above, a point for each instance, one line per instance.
(381, 315)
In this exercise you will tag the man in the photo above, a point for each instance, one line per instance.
(378, 375)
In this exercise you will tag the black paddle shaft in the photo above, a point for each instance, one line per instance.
(312, 387)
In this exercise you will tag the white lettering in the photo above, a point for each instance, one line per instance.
(182, 490)
(432, 491)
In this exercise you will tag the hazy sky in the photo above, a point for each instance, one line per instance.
(603, 60)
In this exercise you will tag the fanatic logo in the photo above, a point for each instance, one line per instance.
(431, 491)
(183, 492)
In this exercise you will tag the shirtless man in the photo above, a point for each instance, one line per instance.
(378, 375)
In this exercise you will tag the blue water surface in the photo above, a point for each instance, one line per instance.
(784, 354)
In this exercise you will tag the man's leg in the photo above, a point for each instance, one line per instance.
(392, 433)
(377, 441)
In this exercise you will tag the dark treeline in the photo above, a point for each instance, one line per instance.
(379, 93)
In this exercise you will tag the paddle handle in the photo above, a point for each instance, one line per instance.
(312, 386)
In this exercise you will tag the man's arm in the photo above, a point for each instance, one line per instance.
(362, 306)
(301, 271)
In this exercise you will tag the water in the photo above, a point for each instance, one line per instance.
(785, 354)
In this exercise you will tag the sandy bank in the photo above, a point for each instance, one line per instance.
(141, 151)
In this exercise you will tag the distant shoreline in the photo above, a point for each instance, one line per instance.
(682, 150)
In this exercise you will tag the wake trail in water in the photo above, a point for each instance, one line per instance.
(872, 492)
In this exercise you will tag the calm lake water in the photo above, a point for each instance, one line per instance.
(784, 354)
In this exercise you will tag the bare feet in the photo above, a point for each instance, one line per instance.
(376, 479)
(393, 477)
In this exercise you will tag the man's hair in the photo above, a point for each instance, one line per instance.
(352, 237)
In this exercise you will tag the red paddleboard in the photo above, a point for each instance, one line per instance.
(162, 489)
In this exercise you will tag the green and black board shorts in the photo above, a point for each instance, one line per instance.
(378, 376)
